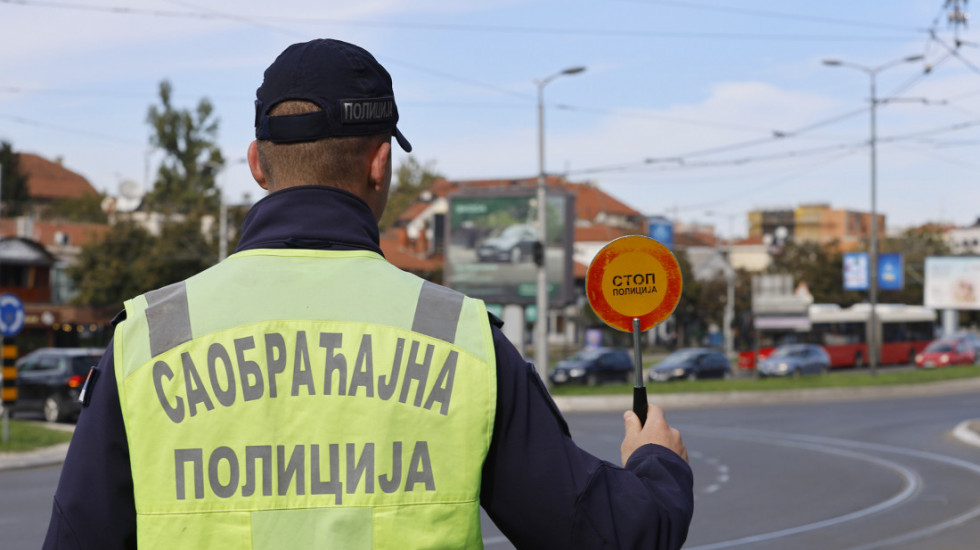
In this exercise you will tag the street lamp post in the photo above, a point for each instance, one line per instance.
(872, 72)
(541, 327)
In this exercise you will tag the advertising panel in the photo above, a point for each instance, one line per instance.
(661, 230)
(856, 271)
(952, 283)
(492, 237)
(891, 271)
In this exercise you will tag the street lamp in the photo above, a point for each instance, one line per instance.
(219, 168)
(541, 327)
(872, 72)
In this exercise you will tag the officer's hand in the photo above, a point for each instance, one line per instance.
(655, 430)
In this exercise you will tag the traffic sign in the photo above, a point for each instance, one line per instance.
(11, 315)
(634, 277)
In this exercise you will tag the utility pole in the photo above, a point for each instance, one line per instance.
(874, 332)
(541, 326)
(957, 17)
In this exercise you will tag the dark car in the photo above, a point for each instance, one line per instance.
(692, 364)
(795, 360)
(515, 244)
(50, 379)
(944, 352)
(594, 365)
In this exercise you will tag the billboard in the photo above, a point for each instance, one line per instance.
(952, 283)
(492, 237)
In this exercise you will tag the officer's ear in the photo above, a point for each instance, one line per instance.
(380, 167)
(254, 166)
(379, 179)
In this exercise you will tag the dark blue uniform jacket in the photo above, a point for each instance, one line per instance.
(540, 489)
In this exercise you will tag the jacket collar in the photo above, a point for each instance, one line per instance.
(310, 216)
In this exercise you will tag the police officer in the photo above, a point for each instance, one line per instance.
(305, 393)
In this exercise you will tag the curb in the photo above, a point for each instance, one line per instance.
(570, 403)
(968, 432)
(48, 456)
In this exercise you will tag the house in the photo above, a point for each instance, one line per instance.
(35, 252)
(964, 240)
(27, 271)
(817, 223)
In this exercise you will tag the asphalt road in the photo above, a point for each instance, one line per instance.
(852, 475)
(882, 473)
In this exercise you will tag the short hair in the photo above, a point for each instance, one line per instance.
(335, 161)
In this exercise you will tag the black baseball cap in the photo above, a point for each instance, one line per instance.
(350, 86)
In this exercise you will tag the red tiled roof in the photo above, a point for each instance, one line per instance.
(51, 180)
(694, 239)
(405, 258)
(79, 234)
(443, 187)
(590, 201)
(750, 240)
(413, 211)
(599, 233)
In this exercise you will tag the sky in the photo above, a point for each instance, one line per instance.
(696, 110)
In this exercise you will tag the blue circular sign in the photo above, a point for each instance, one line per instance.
(11, 315)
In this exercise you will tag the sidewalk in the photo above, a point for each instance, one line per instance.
(967, 431)
(46, 456)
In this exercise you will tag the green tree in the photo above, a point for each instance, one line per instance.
(916, 245)
(130, 261)
(15, 194)
(84, 209)
(411, 178)
(185, 181)
(114, 269)
(820, 267)
(687, 315)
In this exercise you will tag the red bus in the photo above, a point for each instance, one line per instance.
(843, 332)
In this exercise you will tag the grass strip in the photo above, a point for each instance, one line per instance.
(841, 378)
(26, 436)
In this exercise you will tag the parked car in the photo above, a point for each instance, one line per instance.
(692, 364)
(795, 360)
(50, 379)
(971, 338)
(515, 244)
(946, 351)
(594, 365)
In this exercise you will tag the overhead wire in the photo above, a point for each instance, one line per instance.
(66, 129)
(208, 14)
(745, 193)
(681, 158)
(776, 135)
(680, 162)
(686, 4)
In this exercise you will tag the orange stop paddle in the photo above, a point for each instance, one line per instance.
(633, 284)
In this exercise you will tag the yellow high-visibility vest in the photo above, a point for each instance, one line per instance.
(306, 399)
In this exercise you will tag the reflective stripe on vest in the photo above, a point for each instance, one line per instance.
(436, 314)
(167, 316)
(347, 402)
